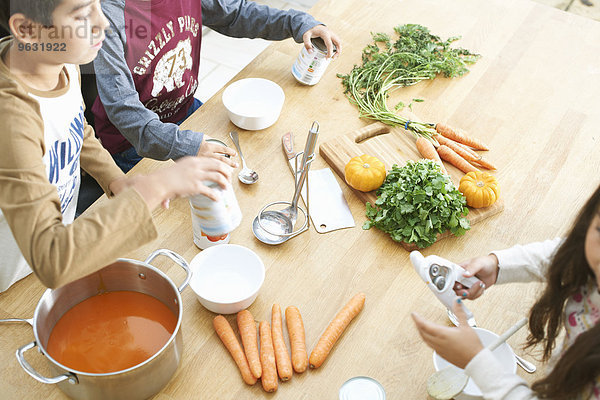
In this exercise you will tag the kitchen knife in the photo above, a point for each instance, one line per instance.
(329, 209)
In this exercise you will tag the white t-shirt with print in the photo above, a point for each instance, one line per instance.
(63, 136)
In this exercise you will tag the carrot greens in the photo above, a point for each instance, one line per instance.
(415, 56)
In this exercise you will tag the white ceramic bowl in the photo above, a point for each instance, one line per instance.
(253, 103)
(503, 353)
(226, 278)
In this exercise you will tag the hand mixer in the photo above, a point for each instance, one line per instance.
(440, 275)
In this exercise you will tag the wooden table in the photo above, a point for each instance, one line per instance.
(533, 97)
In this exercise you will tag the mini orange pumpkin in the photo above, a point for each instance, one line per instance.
(480, 189)
(365, 173)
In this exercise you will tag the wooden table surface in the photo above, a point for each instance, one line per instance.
(533, 97)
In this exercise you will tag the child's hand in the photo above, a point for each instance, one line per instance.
(189, 174)
(185, 178)
(456, 345)
(217, 151)
(328, 37)
(485, 268)
(122, 183)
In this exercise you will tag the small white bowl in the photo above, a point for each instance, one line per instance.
(503, 353)
(226, 278)
(253, 103)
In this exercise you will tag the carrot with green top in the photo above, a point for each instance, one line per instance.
(227, 336)
(335, 330)
(427, 150)
(295, 328)
(267, 358)
(464, 152)
(282, 358)
(463, 146)
(483, 163)
(460, 137)
(447, 154)
(247, 328)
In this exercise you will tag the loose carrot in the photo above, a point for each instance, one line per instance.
(282, 358)
(427, 150)
(267, 358)
(225, 333)
(453, 158)
(335, 330)
(247, 328)
(460, 137)
(295, 328)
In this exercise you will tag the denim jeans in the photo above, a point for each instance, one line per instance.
(129, 158)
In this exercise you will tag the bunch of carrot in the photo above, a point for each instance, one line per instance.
(272, 361)
(455, 147)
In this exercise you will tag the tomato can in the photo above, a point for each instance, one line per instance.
(215, 218)
(310, 67)
(204, 241)
(217, 141)
(212, 221)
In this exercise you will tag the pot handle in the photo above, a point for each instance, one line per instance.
(28, 320)
(34, 374)
(178, 260)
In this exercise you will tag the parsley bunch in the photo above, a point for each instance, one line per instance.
(416, 202)
(415, 56)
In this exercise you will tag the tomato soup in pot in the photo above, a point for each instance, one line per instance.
(111, 332)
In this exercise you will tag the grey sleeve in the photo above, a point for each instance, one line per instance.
(140, 126)
(241, 18)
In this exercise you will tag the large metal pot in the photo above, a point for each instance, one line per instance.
(138, 382)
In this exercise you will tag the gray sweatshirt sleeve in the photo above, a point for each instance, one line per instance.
(241, 18)
(140, 126)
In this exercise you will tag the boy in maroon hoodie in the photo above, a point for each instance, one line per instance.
(147, 70)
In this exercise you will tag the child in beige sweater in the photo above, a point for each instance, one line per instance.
(44, 140)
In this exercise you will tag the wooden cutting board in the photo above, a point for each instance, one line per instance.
(391, 146)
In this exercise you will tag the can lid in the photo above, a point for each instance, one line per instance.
(219, 142)
(320, 44)
(216, 141)
(362, 388)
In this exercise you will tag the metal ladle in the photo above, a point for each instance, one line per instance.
(277, 226)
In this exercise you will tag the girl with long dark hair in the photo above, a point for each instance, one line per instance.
(570, 300)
